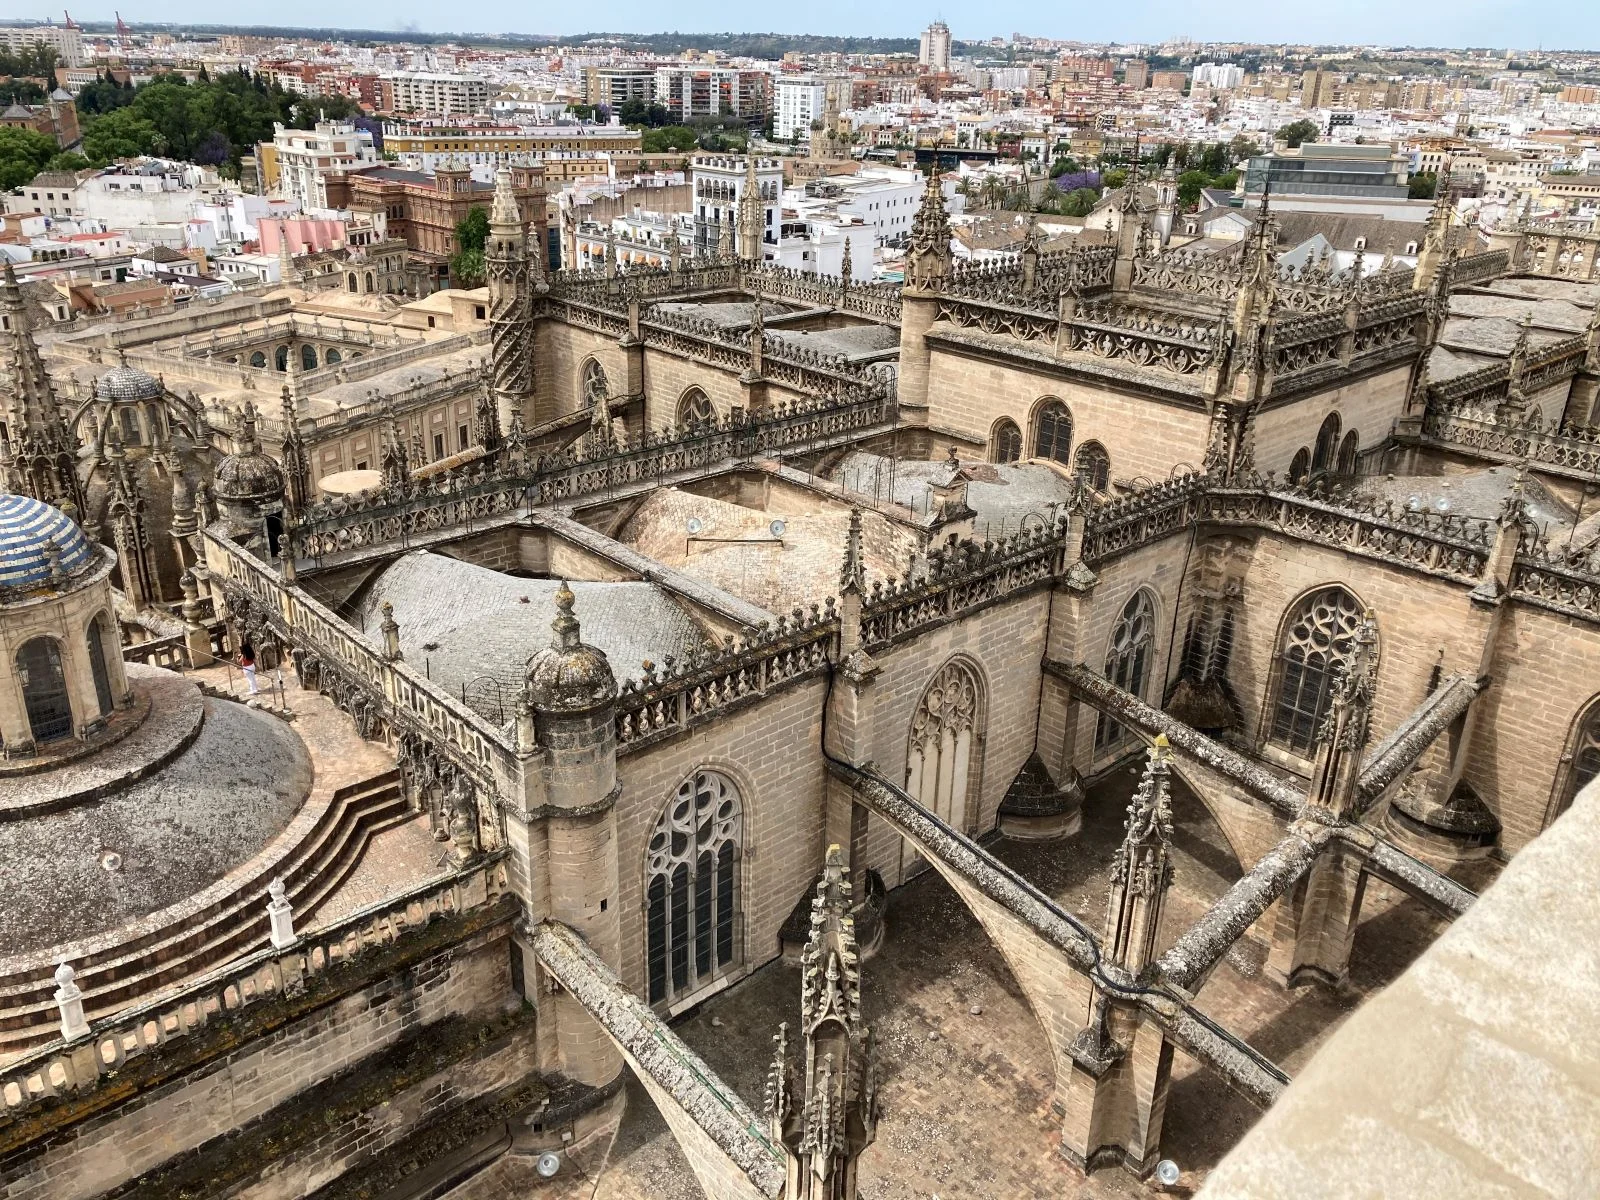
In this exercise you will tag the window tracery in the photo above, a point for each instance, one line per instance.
(691, 887)
(594, 383)
(1052, 437)
(695, 410)
(1006, 444)
(1128, 661)
(939, 762)
(1318, 640)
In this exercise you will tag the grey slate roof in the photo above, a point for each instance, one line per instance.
(473, 627)
(1002, 494)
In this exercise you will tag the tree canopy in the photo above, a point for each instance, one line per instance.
(472, 235)
(1423, 186)
(23, 154)
(1297, 133)
(212, 121)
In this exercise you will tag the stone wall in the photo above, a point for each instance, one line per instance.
(172, 1101)
(1369, 406)
(1144, 435)
(769, 751)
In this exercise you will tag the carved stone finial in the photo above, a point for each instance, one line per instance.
(852, 577)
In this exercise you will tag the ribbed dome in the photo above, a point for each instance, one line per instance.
(248, 476)
(128, 383)
(29, 528)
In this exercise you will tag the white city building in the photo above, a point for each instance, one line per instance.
(883, 199)
(719, 182)
(66, 41)
(1218, 75)
(934, 52)
(306, 157)
(435, 92)
(797, 102)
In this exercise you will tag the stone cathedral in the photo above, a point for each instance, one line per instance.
(729, 623)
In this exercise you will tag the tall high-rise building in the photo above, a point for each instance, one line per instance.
(935, 51)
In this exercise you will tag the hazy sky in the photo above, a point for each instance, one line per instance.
(1565, 24)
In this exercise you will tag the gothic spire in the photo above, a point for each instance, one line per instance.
(33, 399)
(928, 259)
(296, 462)
(1141, 872)
(39, 455)
(510, 311)
(837, 1111)
(1346, 727)
(752, 215)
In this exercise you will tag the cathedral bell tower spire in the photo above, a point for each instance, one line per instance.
(510, 325)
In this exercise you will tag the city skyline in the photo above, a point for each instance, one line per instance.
(1431, 24)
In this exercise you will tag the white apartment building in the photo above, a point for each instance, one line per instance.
(306, 157)
(1218, 75)
(67, 43)
(882, 199)
(719, 182)
(434, 92)
(934, 52)
(815, 243)
(796, 103)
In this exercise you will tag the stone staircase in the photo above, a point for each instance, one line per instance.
(230, 921)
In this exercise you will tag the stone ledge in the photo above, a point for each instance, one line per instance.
(166, 716)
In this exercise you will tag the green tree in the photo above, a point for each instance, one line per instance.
(67, 162)
(1214, 159)
(1080, 202)
(1189, 185)
(472, 231)
(1242, 148)
(1114, 178)
(671, 137)
(23, 154)
(466, 269)
(1423, 185)
(1297, 133)
(120, 134)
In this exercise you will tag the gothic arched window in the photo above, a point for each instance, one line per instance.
(1005, 445)
(1318, 639)
(1300, 465)
(370, 288)
(44, 689)
(592, 380)
(1133, 639)
(1093, 467)
(940, 761)
(258, 359)
(1582, 759)
(308, 357)
(694, 410)
(1052, 433)
(332, 357)
(691, 887)
(1348, 450)
(1327, 443)
(352, 281)
(283, 358)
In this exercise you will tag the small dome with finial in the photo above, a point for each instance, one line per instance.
(249, 474)
(569, 676)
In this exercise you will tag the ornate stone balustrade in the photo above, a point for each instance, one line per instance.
(797, 426)
(960, 579)
(62, 1071)
(1475, 269)
(173, 652)
(677, 696)
(1141, 336)
(337, 658)
(1575, 451)
(393, 515)
(878, 301)
(1439, 543)
(1187, 271)
(1552, 578)
(1117, 526)
(1479, 393)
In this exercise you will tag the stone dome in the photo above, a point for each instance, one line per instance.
(30, 532)
(569, 676)
(249, 474)
(128, 383)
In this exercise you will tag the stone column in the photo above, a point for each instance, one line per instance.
(917, 313)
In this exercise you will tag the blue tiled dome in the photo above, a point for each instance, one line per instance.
(27, 528)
